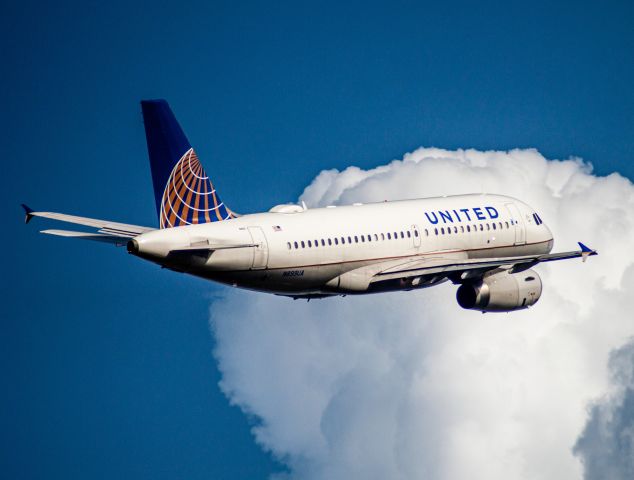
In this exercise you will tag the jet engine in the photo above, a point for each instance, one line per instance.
(501, 292)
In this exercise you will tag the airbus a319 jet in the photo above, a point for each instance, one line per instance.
(484, 244)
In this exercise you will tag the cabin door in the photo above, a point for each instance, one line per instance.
(261, 249)
(518, 224)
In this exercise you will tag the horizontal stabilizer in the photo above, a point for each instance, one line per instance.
(108, 232)
(123, 228)
(97, 237)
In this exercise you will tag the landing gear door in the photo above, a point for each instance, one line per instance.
(518, 223)
(261, 249)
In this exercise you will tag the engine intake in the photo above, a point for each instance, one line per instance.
(501, 292)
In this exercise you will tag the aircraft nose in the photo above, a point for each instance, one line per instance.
(133, 247)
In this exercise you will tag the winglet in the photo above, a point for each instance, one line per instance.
(584, 248)
(29, 213)
(586, 251)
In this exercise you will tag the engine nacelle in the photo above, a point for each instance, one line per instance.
(501, 292)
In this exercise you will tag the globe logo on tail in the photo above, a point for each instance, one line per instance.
(189, 196)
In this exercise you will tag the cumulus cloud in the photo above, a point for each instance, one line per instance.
(607, 443)
(408, 385)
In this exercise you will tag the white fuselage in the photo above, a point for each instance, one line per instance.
(326, 251)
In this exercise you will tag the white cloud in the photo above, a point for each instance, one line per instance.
(607, 443)
(408, 385)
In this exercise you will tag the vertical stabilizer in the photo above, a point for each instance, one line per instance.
(183, 192)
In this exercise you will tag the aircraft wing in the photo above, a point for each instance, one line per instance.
(107, 231)
(462, 269)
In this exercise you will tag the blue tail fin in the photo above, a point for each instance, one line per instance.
(183, 192)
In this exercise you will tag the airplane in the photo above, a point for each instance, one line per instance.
(485, 244)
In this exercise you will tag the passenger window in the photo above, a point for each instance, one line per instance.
(507, 224)
(310, 245)
(356, 239)
(336, 241)
(436, 231)
(426, 233)
(349, 240)
(481, 227)
(363, 238)
(455, 229)
(442, 230)
(330, 242)
(448, 230)
(382, 236)
(343, 240)
(389, 237)
(296, 246)
(303, 244)
(376, 237)
(461, 228)
(395, 236)
(402, 234)
(288, 245)
(370, 238)
(323, 244)
(494, 226)
(468, 229)
(488, 227)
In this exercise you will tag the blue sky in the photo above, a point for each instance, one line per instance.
(106, 360)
